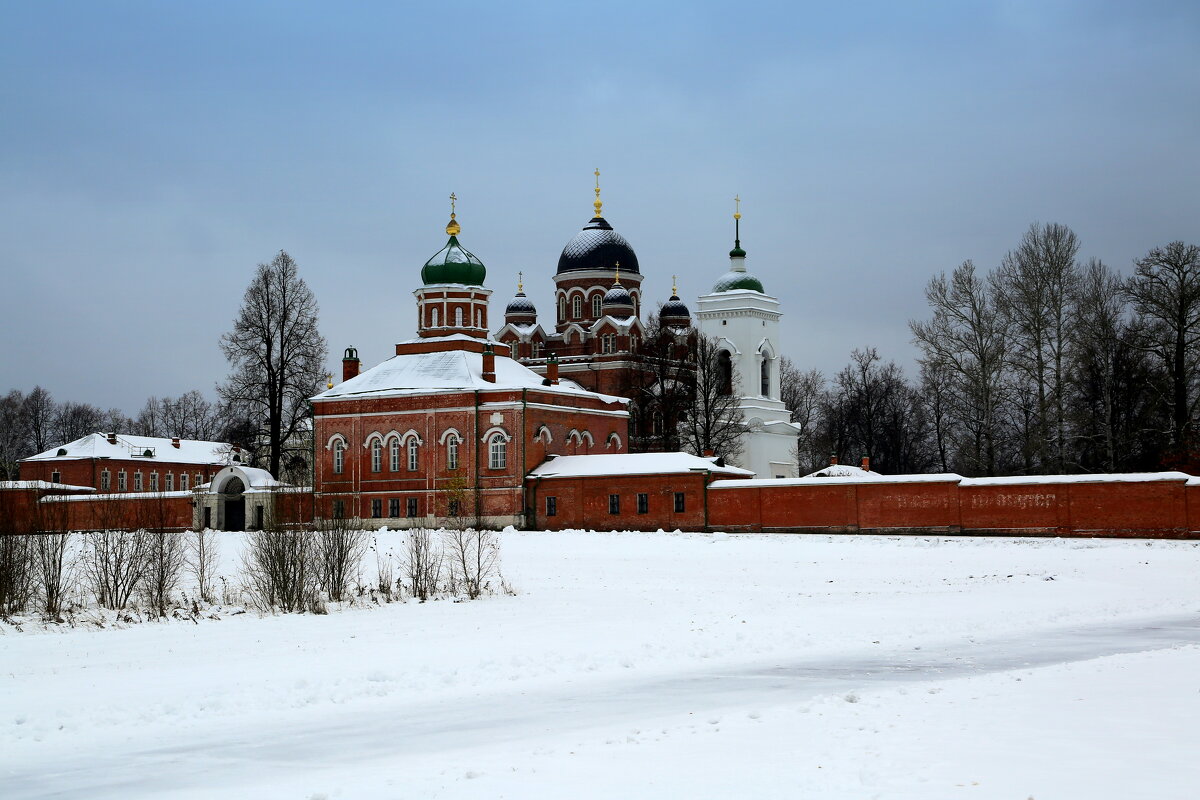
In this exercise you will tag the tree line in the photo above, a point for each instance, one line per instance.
(1046, 364)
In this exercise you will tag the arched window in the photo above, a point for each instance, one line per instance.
(452, 453)
(394, 455)
(596, 306)
(339, 457)
(458, 317)
(724, 373)
(433, 318)
(376, 455)
(577, 306)
(497, 452)
(413, 454)
(765, 376)
(562, 308)
(478, 318)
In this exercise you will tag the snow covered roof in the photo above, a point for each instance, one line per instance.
(630, 464)
(862, 476)
(62, 487)
(841, 471)
(97, 445)
(422, 373)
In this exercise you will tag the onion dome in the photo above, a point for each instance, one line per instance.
(674, 313)
(737, 277)
(453, 263)
(520, 308)
(617, 301)
(597, 246)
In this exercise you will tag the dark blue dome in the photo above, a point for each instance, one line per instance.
(674, 311)
(618, 297)
(520, 306)
(597, 247)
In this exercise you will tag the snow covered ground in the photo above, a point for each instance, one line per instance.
(652, 665)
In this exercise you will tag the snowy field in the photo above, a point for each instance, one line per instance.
(651, 665)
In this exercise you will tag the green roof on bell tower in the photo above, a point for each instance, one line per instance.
(737, 277)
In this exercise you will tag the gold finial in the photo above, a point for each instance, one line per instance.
(737, 211)
(520, 281)
(597, 204)
(452, 227)
(674, 285)
(329, 381)
(618, 275)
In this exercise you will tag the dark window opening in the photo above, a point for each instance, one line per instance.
(394, 507)
(56, 477)
(551, 506)
(412, 507)
(377, 508)
(680, 502)
(614, 504)
(643, 501)
(724, 373)
(259, 518)
(453, 508)
(339, 509)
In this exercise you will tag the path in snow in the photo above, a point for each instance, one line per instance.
(220, 764)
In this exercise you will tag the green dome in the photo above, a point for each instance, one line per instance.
(454, 264)
(735, 279)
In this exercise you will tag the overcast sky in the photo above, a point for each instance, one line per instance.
(151, 154)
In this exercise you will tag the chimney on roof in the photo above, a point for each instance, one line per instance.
(866, 463)
(112, 438)
(350, 364)
(708, 452)
(833, 459)
(175, 442)
(552, 369)
(489, 363)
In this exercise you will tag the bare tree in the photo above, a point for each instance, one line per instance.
(966, 340)
(667, 375)
(473, 555)
(280, 570)
(1165, 292)
(14, 434)
(54, 561)
(202, 559)
(114, 563)
(1035, 289)
(164, 560)
(715, 421)
(339, 549)
(17, 570)
(801, 393)
(422, 563)
(75, 420)
(277, 355)
(38, 411)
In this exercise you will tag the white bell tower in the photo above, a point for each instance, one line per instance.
(744, 320)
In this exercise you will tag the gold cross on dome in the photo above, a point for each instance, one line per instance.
(520, 280)
(737, 208)
(674, 284)
(452, 199)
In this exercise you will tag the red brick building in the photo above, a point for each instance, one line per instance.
(450, 426)
(117, 463)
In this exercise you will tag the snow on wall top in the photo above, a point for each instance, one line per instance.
(44, 485)
(944, 477)
(421, 373)
(630, 464)
(841, 471)
(97, 445)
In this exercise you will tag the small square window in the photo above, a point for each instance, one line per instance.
(643, 501)
(394, 507)
(56, 477)
(412, 506)
(551, 506)
(680, 502)
(614, 504)
(376, 507)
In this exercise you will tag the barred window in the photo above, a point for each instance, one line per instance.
(551, 506)
(412, 506)
(376, 507)
(680, 502)
(339, 509)
(394, 507)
